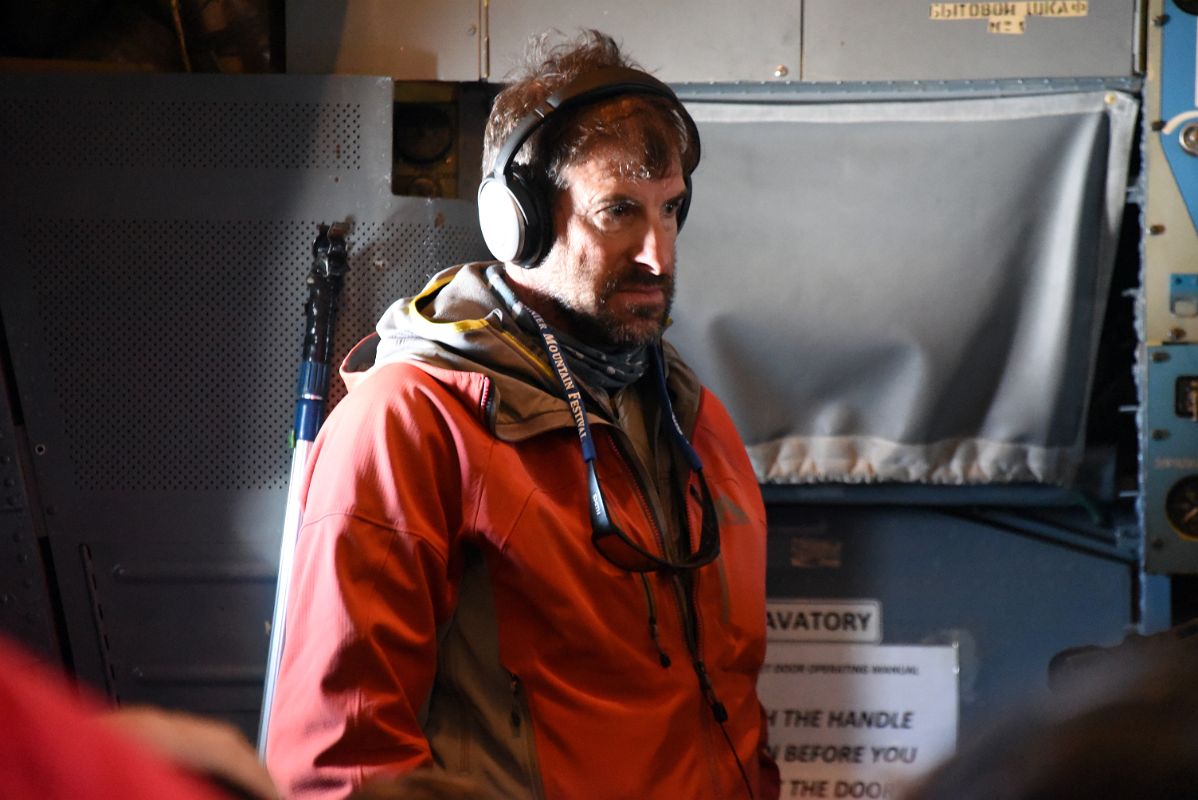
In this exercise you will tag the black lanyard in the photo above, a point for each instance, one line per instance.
(611, 542)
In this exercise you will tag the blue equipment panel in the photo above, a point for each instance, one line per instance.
(1169, 356)
(1171, 458)
(1178, 104)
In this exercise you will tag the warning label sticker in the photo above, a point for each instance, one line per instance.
(823, 620)
(1009, 18)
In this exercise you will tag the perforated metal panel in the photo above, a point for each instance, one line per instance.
(167, 287)
(177, 134)
(159, 232)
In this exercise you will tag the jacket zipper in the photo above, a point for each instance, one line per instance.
(521, 713)
(687, 607)
(688, 610)
(487, 404)
(687, 604)
(642, 492)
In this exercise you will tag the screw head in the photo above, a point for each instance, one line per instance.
(1188, 139)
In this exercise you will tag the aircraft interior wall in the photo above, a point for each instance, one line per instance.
(866, 207)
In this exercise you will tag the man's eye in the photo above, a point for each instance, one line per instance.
(615, 215)
(672, 207)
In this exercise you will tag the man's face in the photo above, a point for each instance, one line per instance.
(610, 273)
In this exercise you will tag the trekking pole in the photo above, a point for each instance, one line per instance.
(324, 284)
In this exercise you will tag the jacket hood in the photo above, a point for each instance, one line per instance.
(458, 322)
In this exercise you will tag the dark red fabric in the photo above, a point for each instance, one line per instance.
(56, 746)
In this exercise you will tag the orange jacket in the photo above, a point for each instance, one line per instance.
(448, 606)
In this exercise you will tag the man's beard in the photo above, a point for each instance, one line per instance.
(635, 327)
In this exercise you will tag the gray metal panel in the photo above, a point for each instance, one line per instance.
(26, 614)
(899, 40)
(707, 40)
(1010, 599)
(161, 231)
(180, 621)
(416, 40)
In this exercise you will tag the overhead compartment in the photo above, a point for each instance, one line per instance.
(904, 40)
(703, 41)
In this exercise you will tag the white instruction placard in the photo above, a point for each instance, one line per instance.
(856, 720)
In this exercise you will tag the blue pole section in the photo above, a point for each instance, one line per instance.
(311, 393)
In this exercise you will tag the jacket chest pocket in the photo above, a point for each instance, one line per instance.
(533, 513)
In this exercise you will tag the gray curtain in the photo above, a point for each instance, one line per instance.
(905, 291)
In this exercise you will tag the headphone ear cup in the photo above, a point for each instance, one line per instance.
(685, 206)
(532, 196)
(500, 218)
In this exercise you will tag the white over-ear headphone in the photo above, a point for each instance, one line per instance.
(513, 205)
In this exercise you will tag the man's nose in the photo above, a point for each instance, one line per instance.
(656, 254)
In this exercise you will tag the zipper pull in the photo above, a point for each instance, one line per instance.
(515, 718)
(717, 708)
(661, 653)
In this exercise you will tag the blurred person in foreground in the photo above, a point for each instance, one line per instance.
(1122, 724)
(64, 744)
(424, 784)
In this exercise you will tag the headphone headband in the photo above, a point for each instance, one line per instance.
(588, 88)
(514, 215)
